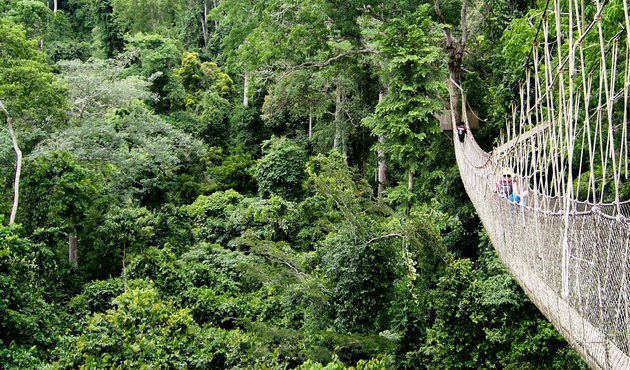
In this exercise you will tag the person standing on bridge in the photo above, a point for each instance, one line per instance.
(506, 186)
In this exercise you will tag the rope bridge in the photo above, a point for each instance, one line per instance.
(566, 237)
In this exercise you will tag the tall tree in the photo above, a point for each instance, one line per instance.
(60, 193)
(411, 64)
(96, 87)
(454, 48)
(155, 57)
(31, 97)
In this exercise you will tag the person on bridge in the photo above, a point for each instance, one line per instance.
(506, 186)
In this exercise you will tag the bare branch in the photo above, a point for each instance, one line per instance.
(438, 11)
(365, 50)
(445, 29)
(377, 238)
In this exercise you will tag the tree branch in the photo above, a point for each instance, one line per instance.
(369, 11)
(445, 29)
(377, 238)
(335, 58)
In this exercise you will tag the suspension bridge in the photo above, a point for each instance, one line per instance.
(566, 237)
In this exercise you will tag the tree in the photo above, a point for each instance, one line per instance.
(295, 99)
(28, 321)
(126, 230)
(141, 330)
(197, 77)
(474, 327)
(375, 265)
(35, 16)
(281, 169)
(455, 50)
(28, 88)
(138, 154)
(236, 20)
(262, 45)
(60, 193)
(155, 58)
(96, 87)
(403, 118)
(107, 31)
(31, 99)
(147, 16)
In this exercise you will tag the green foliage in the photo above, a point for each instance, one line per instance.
(231, 171)
(143, 15)
(34, 15)
(294, 100)
(473, 326)
(58, 192)
(155, 164)
(136, 151)
(96, 296)
(213, 205)
(107, 33)
(372, 364)
(373, 264)
(281, 169)
(141, 330)
(198, 77)
(28, 322)
(413, 84)
(332, 179)
(246, 129)
(97, 86)
(31, 94)
(81, 17)
(121, 231)
(517, 46)
(52, 30)
(206, 93)
(362, 278)
(155, 57)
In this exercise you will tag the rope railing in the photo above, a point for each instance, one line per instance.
(595, 316)
(566, 237)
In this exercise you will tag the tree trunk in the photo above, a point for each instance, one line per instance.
(215, 23)
(337, 142)
(204, 24)
(18, 164)
(382, 164)
(310, 122)
(455, 51)
(246, 89)
(54, 6)
(382, 168)
(409, 179)
(124, 267)
(72, 250)
(454, 81)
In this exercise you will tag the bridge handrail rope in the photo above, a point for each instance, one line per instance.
(567, 239)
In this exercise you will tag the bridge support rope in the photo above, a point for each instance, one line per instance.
(594, 314)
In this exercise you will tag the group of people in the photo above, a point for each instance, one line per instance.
(507, 187)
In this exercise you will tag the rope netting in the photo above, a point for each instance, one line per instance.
(564, 234)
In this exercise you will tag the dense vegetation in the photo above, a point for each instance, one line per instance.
(252, 184)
